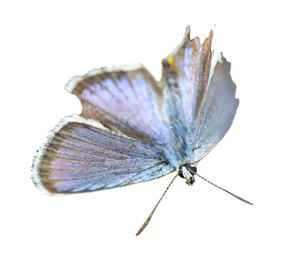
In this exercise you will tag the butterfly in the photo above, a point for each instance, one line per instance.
(134, 129)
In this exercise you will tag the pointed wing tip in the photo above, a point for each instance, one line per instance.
(206, 45)
(208, 40)
(222, 59)
(187, 36)
(187, 32)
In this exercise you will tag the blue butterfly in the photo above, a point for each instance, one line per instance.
(134, 129)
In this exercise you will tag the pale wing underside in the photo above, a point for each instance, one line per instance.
(218, 109)
(192, 66)
(185, 77)
(125, 98)
(81, 155)
(209, 102)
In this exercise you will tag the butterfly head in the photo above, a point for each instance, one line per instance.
(187, 172)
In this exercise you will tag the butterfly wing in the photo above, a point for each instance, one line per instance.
(190, 62)
(81, 155)
(126, 98)
(205, 98)
(217, 110)
(184, 78)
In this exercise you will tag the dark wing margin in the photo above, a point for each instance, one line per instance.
(126, 98)
(81, 155)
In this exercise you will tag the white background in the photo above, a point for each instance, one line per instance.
(44, 44)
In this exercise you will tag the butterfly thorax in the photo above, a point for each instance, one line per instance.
(179, 147)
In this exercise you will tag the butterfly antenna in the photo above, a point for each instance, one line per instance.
(154, 209)
(225, 190)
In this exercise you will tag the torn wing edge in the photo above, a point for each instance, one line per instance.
(219, 59)
(183, 41)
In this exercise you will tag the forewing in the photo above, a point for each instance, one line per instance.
(126, 98)
(185, 77)
(208, 96)
(191, 64)
(218, 109)
(81, 155)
